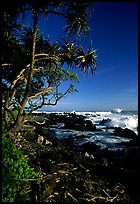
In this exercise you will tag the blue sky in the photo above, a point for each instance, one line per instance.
(114, 32)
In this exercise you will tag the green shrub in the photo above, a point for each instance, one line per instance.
(15, 113)
(15, 170)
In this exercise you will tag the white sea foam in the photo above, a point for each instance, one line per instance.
(101, 119)
(117, 110)
(131, 122)
(103, 139)
(118, 119)
(114, 120)
(104, 113)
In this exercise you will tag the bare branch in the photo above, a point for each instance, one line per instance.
(17, 78)
(38, 69)
(40, 123)
(6, 64)
(19, 105)
(46, 58)
(46, 90)
(42, 54)
(46, 55)
(37, 107)
(58, 98)
(13, 94)
(16, 102)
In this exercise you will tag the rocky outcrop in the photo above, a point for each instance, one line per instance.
(125, 132)
(71, 121)
(78, 122)
(79, 173)
(104, 121)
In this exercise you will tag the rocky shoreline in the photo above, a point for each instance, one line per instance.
(72, 173)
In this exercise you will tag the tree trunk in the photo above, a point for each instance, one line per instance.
(28, 86)
(6, 108)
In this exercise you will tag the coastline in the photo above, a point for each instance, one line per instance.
(77, 173)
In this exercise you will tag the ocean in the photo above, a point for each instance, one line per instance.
(105, 121)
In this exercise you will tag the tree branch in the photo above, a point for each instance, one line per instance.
(45, 58)
(17, 78)
(40, 106)
(6, 64)
(12, 96)
(58, 98)
(46, 90)
(42, 54)
(11, 112)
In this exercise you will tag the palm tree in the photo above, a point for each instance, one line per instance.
(37, 70)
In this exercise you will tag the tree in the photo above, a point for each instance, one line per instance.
(33, 68)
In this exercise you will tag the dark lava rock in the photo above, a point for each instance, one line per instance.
(78, 122)
(124, 132)
(71, 121)
(80, 173)
(90, 147)
(89, 126)
(132, 143)
(104, 121)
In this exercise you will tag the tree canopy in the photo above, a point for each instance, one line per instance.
(33, 68)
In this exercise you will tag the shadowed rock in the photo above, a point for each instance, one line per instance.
(124, 132)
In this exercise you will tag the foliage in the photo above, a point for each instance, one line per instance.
(14, 113)
(15, 170)
(35, 69)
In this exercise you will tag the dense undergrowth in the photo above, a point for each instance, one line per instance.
(16, 173)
